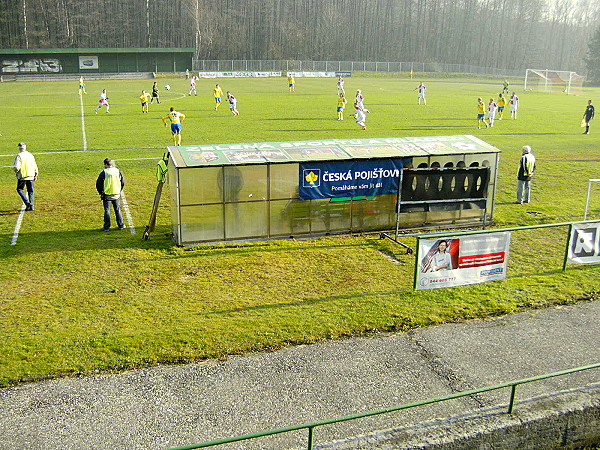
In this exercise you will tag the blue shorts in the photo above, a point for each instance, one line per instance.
(144, 103)
(480, 116)
(175, 128)
(500, 108)
(218, 99)
(340, 108)
(291, 84)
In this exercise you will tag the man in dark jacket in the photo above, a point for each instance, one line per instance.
(587, 116)
(109, 185)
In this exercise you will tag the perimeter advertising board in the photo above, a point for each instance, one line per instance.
(584, 244)
(457, 261)
(88, 62)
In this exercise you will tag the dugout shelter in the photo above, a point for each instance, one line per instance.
(271, 190)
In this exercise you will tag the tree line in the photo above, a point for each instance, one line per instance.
(510, 34)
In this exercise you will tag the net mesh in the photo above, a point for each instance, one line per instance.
(554, 81)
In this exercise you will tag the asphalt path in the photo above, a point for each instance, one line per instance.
(168, 406)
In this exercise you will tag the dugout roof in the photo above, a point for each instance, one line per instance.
(329, 150)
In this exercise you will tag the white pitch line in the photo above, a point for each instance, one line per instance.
(82, 123)
(127, 213)
(15, 235)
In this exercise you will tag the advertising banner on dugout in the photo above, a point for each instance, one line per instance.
(584, 244)
(458, 261)
(353, 178)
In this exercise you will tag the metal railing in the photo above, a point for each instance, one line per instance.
(284, 65)
(570, 226)
(312, 425)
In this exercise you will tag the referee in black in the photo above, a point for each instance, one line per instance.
(587, 116)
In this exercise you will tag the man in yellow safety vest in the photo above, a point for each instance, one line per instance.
(27, 172)
(109, 185)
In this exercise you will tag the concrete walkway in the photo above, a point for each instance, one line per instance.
(169, 406)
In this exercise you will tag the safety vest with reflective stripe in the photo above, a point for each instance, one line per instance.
(112, 181)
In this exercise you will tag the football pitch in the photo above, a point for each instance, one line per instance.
(76, 300)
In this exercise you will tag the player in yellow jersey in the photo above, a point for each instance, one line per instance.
(340, 106)
(291, 82)
(175, 118)
(145, 98)
(481, 113)
(82, 85)
(217, 93)
(501, 104)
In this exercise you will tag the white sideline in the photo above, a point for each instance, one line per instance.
(82, 123)
(127, 213)
(15, 235)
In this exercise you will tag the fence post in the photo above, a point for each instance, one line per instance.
(567, 247)
(310, 437)
(416, 263)
(512, 398)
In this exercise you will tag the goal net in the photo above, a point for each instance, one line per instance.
(554, 81)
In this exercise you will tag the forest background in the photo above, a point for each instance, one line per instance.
(511, 34)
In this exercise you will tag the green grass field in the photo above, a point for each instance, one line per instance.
(76, 300)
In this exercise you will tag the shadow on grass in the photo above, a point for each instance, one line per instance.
(307, 301)
(305, 130)
(429, 127)
(11, 212)
(90, 239)
(406, 291)
(95, 239)
(286, 119)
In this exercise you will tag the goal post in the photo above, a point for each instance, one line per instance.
(564, 81)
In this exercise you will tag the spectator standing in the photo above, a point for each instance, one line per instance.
(109, 185)
(26, 170)
(526, 171)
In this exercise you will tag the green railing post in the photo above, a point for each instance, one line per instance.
(569, 234)
(310, 437)
(511, 404)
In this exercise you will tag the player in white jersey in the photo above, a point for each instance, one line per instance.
(232, 104)
(492, 107)
(103, 101)
(340, 86)
(422, 88)
(514, 105)
(360, 110)
(193, 86)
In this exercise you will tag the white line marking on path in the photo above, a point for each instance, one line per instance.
(127, 213)
(82, 123)
(18, 225)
